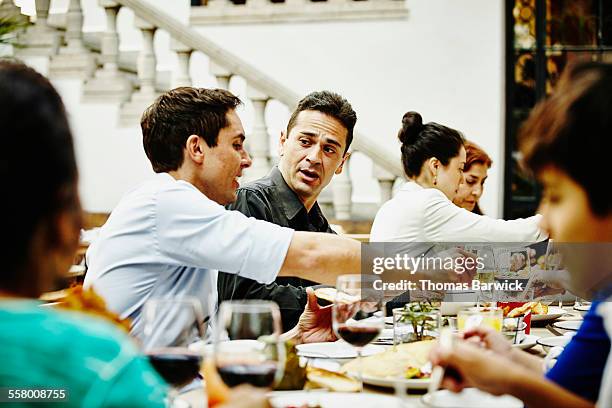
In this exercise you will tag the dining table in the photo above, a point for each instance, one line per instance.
(196, 398)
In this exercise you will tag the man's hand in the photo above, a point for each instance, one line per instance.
(490, 339)
(315, 324)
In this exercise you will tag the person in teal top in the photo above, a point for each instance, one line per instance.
(94, 362)
(91, 360)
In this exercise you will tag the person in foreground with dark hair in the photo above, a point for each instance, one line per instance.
(434, 156)
(92, 362)
(566, 142)
(169, 236)
(313, 148)
(477, 165)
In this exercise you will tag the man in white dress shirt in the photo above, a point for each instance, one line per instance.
(169, 236)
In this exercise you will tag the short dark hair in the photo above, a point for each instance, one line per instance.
(34, 124)
(176, 115)
(572, 130)
(331, 104)
(421, 142)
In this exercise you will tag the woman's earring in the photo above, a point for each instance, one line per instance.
(435, 180)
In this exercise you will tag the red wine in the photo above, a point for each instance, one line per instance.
(177, 367)
(358, 336)
(258, 375)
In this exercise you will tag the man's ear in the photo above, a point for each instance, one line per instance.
(281, 143)
(341, 166)
(196, 148)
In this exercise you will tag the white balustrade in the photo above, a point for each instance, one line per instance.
(108, 83)
(38, 40)
(181, 76)
(385, 182)
(222, 75)
(73, 59)
(259, 141)
(147, 64)
(342, 189)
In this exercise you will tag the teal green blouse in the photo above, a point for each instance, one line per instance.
(96, 363)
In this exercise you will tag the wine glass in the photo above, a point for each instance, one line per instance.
(357, 313)
(170, 326)
(247, 346)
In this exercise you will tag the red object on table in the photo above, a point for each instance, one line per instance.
(526, 317)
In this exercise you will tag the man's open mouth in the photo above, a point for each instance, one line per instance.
(309, 175)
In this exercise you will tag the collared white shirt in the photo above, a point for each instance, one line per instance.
(165, 238)
(418, 214)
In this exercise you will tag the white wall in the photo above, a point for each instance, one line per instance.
(445, 61)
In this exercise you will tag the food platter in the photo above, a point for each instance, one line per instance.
(554, 312)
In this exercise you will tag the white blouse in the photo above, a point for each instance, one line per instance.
(418, 214)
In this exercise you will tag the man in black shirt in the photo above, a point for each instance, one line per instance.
(312, 149)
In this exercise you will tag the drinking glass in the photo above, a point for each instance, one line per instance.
(247, 347)
(357, 313)
(170, 326)
(480, 316)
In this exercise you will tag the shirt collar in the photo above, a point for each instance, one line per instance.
(289, 199)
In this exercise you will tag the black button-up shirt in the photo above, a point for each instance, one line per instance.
(270, 199)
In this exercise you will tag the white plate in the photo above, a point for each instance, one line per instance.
(528, 342)
(554, 312)
(554, 341)
(337, 349)
(282, 399)
(582, 309)
(573, 325)
(469, 398)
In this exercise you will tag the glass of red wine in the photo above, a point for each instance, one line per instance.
(170, 326)
(357, 313)
(247, 346)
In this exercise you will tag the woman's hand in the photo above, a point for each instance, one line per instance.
(490, 339)
(468, 365)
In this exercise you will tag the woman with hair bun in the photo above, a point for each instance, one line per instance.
(477, 164)
(433, 157)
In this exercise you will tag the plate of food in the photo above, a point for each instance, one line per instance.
(317, 399)
(539, 311)
(328, 295)
(337, 349)
(407, 364)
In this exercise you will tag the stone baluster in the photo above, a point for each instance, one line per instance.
(181, 76)
(38, 40)
(385, 182)
(342, 193)
(222, 75)
(259, 140)
(8, 9)
(296, 3)
(108, 84)
(73, 59)
(147, 64)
